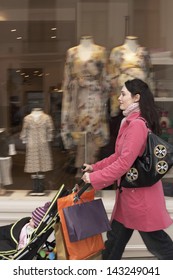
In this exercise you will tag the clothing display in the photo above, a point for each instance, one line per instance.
(127, 62)
(84, 99)
(37, 132)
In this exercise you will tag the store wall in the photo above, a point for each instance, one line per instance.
(106, 22)
(166, 19)
(146, 22)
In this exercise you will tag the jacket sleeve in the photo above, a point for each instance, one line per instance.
(134, 140)
(104, 162)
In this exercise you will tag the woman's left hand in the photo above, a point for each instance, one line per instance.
(86, 178)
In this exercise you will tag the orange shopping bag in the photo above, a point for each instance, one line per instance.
(82, 249)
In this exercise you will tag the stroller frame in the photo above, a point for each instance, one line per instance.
(40, 234)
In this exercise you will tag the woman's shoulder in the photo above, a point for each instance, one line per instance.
(138, 123)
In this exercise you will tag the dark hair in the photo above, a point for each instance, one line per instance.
(149, 110)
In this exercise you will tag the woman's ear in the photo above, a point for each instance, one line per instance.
(137, 97)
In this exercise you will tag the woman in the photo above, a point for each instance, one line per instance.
(141, 209)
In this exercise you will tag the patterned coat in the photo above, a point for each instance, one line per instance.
(137, 208)
(37, 134)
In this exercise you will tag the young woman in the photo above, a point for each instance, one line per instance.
(141, 209)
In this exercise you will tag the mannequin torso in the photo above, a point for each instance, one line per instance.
(131, 43)
(85, 48)
(84, 95)
(128, 61)
(36, 113)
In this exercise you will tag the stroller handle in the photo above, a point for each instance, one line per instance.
(80, 182)
(80, 192)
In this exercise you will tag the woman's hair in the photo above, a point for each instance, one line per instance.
(149, 110)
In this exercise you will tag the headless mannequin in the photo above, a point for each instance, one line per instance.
(38, 184)
(131, 42)
(36, 112)
(83, 62)
(85, 47)
(131, 45)
(34, 136)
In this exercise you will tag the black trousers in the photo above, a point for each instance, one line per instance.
(157, 242)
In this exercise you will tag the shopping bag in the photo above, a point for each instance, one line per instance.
(82, 249)
(61, 251)
(95, 256)
(86, 219)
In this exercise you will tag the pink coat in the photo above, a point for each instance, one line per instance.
(144, 208)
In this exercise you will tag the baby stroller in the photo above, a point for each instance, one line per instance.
(39, 237)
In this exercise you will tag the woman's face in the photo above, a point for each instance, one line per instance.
(125, 99)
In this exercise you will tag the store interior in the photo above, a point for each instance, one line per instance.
(34, 49)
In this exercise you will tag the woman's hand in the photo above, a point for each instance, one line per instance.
(87, 168)
(86, 178)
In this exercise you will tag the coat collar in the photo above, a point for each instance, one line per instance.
(127, 120)
(132, 116)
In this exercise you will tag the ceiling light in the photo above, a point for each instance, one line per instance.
(53, 28)
(13, 30)
(53, 37)
(19, 38)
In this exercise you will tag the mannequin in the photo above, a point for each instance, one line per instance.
(83, 117)
(36, 113)
(85, 47)
(37, 133)
(127, 61)
(7, 149)
(131, 42)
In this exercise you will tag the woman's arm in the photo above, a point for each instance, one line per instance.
(133, 143)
